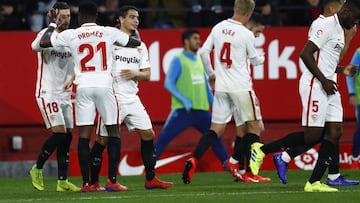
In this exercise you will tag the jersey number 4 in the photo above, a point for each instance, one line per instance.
(225, 54)
(101, 47)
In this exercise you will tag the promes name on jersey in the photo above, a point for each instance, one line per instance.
(90, 34)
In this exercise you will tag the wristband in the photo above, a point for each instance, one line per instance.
(352, 94)
(53, 25)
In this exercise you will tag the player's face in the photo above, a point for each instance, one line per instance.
(63, 19)
(336, 6)
(257, 29)
(131, 21)
(194, 42)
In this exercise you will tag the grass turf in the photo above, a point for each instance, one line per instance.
(206, 187)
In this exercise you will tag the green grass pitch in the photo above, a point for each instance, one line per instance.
(206, 187)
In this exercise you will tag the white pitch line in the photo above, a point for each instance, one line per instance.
(117, 196)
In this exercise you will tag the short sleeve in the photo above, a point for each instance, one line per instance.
(120, 37)
(318, 34)
(145, 63)
(62, 39)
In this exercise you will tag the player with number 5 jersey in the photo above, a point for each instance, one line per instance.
(91, 46)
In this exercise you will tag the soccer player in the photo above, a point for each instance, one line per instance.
(242, 156)
(191, 96)
(296, 139)
(233, 45)
(91, 47)
(322, 109)
(130, 66)
(55, 67)
(354, 91)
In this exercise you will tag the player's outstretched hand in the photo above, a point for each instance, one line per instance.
(350, 70)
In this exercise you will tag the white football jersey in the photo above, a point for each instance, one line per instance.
(128, 58)
(55, 67)
(91, 46)
(328, 35)
(233, 44)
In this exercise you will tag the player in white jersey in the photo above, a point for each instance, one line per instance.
(130, 65)
(233, 45)
(55, 68)
(91, 46)
(322, 110)
(294, 142)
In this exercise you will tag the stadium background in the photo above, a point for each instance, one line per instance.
(276, 84)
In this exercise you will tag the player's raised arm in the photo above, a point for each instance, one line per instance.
(45, 39)
(133, 42)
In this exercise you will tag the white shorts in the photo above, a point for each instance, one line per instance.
(56, 110)
(318, 107)
(132, 114)
(91, 99)
(243, 105)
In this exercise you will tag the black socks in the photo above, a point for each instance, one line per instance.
(149, 158)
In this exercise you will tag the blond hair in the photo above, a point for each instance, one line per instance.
(241, 7)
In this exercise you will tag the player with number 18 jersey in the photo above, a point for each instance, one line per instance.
(55, 68)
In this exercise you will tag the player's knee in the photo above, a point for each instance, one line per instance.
(146, 134)
(102, 140)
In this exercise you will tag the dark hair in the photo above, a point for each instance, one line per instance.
(88, 8)
(124, 10)
(61, 5)
(354, 6)
(256, 19)
(327, 2)
(188, 33)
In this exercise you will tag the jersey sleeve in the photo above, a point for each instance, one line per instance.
(255, 58)
(318, 34)
(144, 57)
(119, 37)
(62, 39)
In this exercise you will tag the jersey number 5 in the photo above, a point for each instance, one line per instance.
(90, 54)
(225, 54)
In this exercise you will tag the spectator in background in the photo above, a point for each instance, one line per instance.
(204, 13)
(13, 14)
(269, 11)
(166, 14)
(301, 12)
(38, 20)
(107, 12)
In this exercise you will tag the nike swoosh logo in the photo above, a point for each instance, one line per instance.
(126, 170)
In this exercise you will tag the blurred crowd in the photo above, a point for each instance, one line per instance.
(31, 14)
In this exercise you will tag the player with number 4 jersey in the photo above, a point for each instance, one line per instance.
(233, 45)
